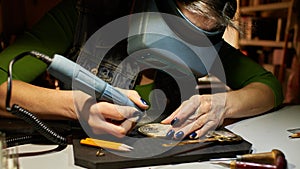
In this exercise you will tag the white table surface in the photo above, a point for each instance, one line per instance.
(265, 132)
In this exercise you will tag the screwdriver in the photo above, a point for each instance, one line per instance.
(275, 159)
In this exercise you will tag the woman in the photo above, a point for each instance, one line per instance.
(253, 89)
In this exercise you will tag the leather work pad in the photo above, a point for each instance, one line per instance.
(150, 152)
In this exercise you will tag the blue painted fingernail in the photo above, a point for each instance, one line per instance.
(193, 135)
(144, 101)
(179, 135)
(175, 122)
(170, 134)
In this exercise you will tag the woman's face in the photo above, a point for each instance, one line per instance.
(198, 20)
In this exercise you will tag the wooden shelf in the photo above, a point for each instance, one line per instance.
(266, 7)
(266, 43)
(282, 11)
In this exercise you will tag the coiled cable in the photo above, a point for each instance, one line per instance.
(24, 114)
(38, 125)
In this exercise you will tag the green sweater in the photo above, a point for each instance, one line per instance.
(55, 33)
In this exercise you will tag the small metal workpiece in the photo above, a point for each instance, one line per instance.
(154, 129)
(100, 152)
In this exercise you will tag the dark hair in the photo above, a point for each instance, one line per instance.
(222, 11)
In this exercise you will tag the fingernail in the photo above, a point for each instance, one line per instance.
(144, 102)
(179, 135)
(193, 135)
(174, 122)
(170, 134)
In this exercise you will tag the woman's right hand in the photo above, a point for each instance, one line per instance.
(108, 118)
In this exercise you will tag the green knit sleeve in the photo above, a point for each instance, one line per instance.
(144, 91)
(240, 71)
(52, 34)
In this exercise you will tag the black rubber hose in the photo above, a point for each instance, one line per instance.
(38, 125)
(20, 140)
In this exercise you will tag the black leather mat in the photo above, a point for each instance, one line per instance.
(155, 154)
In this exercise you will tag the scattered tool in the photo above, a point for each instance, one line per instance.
(295, 135)
(106, 144)
(245, 165)
(274, 159)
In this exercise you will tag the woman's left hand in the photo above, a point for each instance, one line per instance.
(196, 116)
